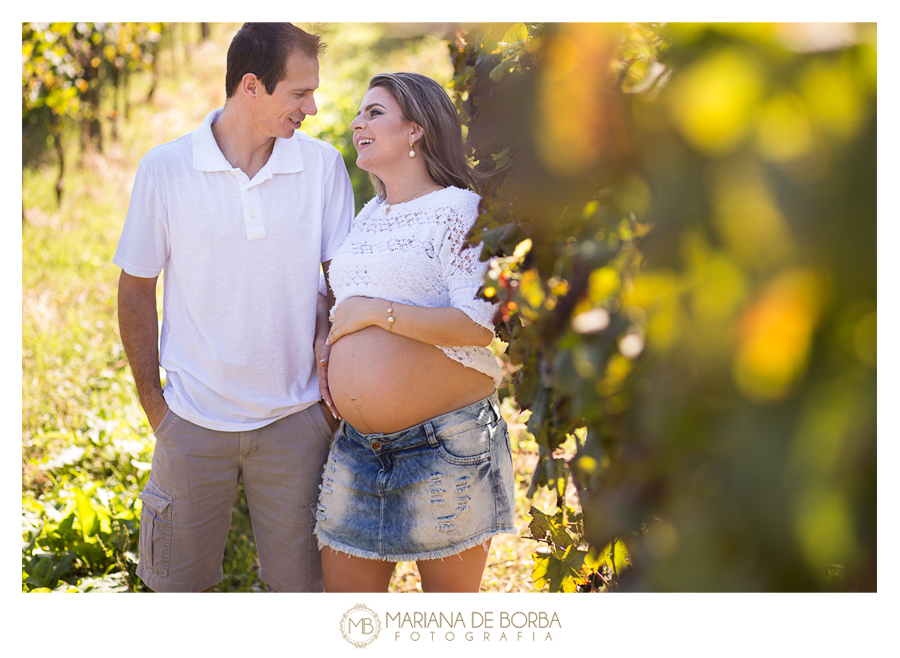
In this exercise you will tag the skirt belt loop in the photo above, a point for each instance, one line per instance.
(429, 432)
(495, 405)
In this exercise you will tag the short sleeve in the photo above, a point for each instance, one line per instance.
(143, 248)
(339, 208)
(462, 270)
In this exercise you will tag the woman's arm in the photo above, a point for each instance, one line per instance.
(446, 326)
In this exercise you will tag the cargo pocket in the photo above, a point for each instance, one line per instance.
(156, 529)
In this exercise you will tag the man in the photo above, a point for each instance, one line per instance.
(239, 215)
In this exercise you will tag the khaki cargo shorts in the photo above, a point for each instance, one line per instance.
(193, 482)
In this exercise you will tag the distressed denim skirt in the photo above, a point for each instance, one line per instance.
(426, 492)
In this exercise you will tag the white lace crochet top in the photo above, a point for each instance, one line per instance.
(414, 255)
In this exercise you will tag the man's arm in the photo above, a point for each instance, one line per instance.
(329, 294)
(138, 327)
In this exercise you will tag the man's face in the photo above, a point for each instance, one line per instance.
(281, 113)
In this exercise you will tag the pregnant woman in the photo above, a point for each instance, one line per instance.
(420, 468)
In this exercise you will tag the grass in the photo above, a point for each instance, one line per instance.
(83, 431)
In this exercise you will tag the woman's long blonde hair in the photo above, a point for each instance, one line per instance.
(424, 102)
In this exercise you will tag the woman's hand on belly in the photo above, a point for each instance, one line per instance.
(354, 314)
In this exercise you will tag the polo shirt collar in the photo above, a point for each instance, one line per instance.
(286, 157)
(207, 155)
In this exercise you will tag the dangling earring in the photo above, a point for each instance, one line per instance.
(412, 153)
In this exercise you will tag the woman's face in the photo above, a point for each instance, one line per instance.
(381, 134)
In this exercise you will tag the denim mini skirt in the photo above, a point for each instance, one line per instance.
(426, 492)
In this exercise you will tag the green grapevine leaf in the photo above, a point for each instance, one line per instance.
(560, 574)
(540, 523)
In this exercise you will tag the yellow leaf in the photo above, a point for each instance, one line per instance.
(515, 34)
(774, 335)
(713, 102)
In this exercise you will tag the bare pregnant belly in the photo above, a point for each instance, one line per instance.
(382, 382)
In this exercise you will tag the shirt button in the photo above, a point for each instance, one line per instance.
(252, 214)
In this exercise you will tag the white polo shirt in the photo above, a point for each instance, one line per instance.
(241, 270)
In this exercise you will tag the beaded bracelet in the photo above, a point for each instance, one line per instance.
(391, 318)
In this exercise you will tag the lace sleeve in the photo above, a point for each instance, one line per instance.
(462, 271)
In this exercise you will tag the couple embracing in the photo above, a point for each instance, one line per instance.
(360, 412)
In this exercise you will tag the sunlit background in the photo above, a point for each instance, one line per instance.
(685, 222)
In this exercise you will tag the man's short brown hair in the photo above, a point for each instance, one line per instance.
(263, 49)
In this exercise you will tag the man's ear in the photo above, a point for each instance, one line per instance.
(250, 85)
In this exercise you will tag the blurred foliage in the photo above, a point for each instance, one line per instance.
(721, 378)
(61, 62)
(67, 71)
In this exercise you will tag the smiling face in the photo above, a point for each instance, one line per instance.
(381, 133)
(281, 113)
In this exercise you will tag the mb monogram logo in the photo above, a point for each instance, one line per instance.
(360, 626)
